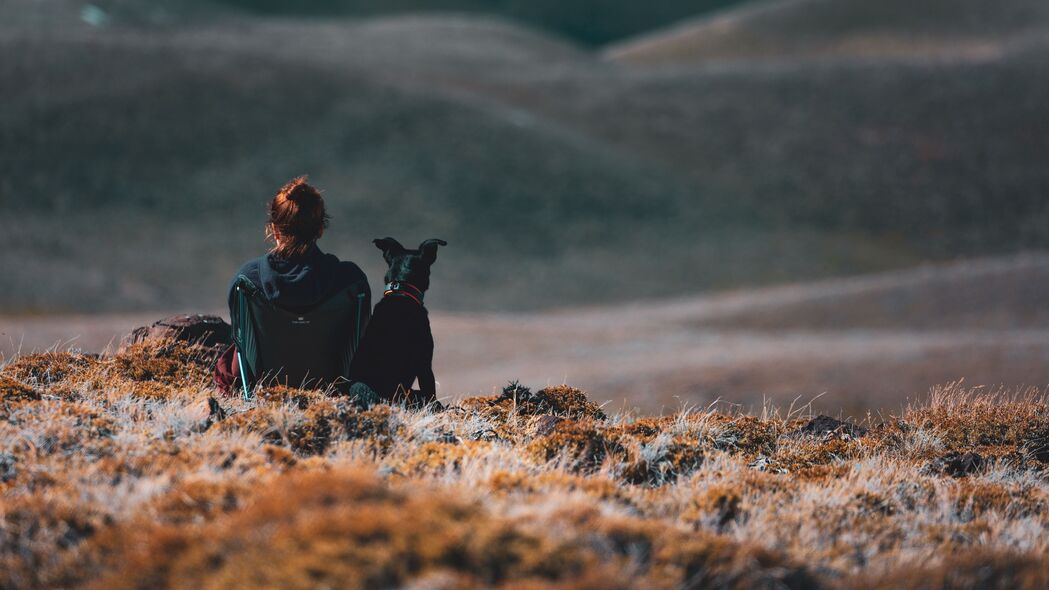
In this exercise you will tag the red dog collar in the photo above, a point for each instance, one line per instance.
(407, 289)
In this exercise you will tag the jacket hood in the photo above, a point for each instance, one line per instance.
(299, 281)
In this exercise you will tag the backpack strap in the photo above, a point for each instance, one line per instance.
(244, 333)
(362, 293)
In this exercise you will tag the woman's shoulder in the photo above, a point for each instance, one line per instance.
(340, 274)
(346, 270)
(248, 270)
(351, 272)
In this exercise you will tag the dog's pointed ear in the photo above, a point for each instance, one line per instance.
(389, 246)
(429, 250)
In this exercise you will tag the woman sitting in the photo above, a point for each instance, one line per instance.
(295, 274)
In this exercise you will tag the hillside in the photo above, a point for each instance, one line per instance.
(115, 473)
(864, 344)
(835, 29)
(587, 22)
(155, 144)
(985, 294)
(137, 159)
(590, 22)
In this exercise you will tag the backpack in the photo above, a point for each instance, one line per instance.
(298, 347)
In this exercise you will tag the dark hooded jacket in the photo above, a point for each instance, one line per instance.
(296, 283)
(302, 281)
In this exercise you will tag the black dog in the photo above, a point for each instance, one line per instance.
(398, 346)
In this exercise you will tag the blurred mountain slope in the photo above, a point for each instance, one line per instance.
(588, 22)
(137, 159)
(832, 29)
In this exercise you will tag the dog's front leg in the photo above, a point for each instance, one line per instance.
(427, 385)
(427, 382)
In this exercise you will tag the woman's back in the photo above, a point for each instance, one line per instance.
(272, 297)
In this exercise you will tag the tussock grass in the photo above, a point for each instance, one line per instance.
(115, 474)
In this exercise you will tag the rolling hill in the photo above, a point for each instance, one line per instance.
(114, 137)
(587, 22)
(136, 160)
(590, 22)
(833, 29)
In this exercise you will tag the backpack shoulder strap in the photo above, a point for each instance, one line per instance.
(244, 331)
(362, 296)
(358, 296)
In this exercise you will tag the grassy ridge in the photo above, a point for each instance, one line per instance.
(115, 474)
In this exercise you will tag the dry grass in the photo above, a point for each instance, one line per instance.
(114, 473)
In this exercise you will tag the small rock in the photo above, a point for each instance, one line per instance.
(208, 331)
(955, 464)
(823, 425)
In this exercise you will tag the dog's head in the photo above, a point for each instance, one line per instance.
(409, 266)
